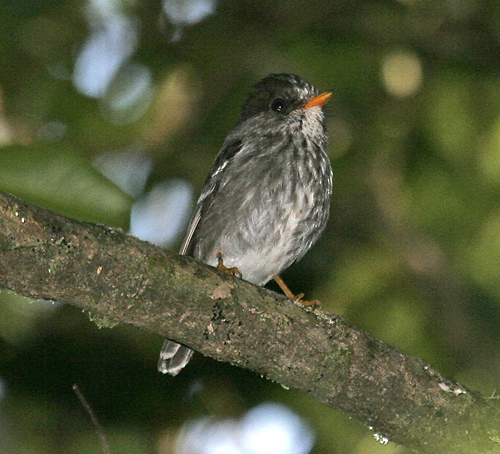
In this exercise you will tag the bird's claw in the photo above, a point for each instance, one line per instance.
(233, 271)
(313, 304)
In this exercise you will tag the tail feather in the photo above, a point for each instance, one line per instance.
(173, 357)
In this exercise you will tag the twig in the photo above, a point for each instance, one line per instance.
(93, 417)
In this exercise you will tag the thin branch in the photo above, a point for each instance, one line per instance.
(104, 271)
(100, 431)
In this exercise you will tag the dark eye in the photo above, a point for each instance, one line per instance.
(278, 105)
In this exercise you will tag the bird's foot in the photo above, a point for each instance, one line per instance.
(314, 304)
(233, 271)
(300, 297)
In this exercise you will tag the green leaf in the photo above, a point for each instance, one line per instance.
(58, 178)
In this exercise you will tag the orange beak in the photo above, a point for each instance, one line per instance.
(319, 100)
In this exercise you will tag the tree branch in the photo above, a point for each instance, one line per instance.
(104, 271)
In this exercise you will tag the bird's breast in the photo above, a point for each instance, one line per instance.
(270, 212)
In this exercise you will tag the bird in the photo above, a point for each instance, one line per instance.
(266, 200)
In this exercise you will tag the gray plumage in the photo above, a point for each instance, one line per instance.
(266, 200)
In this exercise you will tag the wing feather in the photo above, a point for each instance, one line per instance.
(225, 156)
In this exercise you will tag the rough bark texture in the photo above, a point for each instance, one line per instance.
(104, 271)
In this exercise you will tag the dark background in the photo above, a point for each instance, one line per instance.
(412, 250)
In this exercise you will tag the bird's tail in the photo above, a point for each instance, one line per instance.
(173, 357)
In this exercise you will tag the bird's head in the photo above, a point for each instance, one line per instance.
(283, 98)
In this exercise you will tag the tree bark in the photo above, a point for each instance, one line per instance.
(114, 275)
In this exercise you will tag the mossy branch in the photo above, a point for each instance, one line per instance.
(114, 275)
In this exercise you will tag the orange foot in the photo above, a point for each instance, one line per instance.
(314, 304)
(234, 271)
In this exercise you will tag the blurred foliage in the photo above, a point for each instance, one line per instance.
(63, 181)
(412, 251)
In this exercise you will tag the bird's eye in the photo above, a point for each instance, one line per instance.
(278, 105)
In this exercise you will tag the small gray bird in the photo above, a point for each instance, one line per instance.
(266, 200)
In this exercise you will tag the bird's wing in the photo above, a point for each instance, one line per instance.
(225, 156)
(192, 227)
